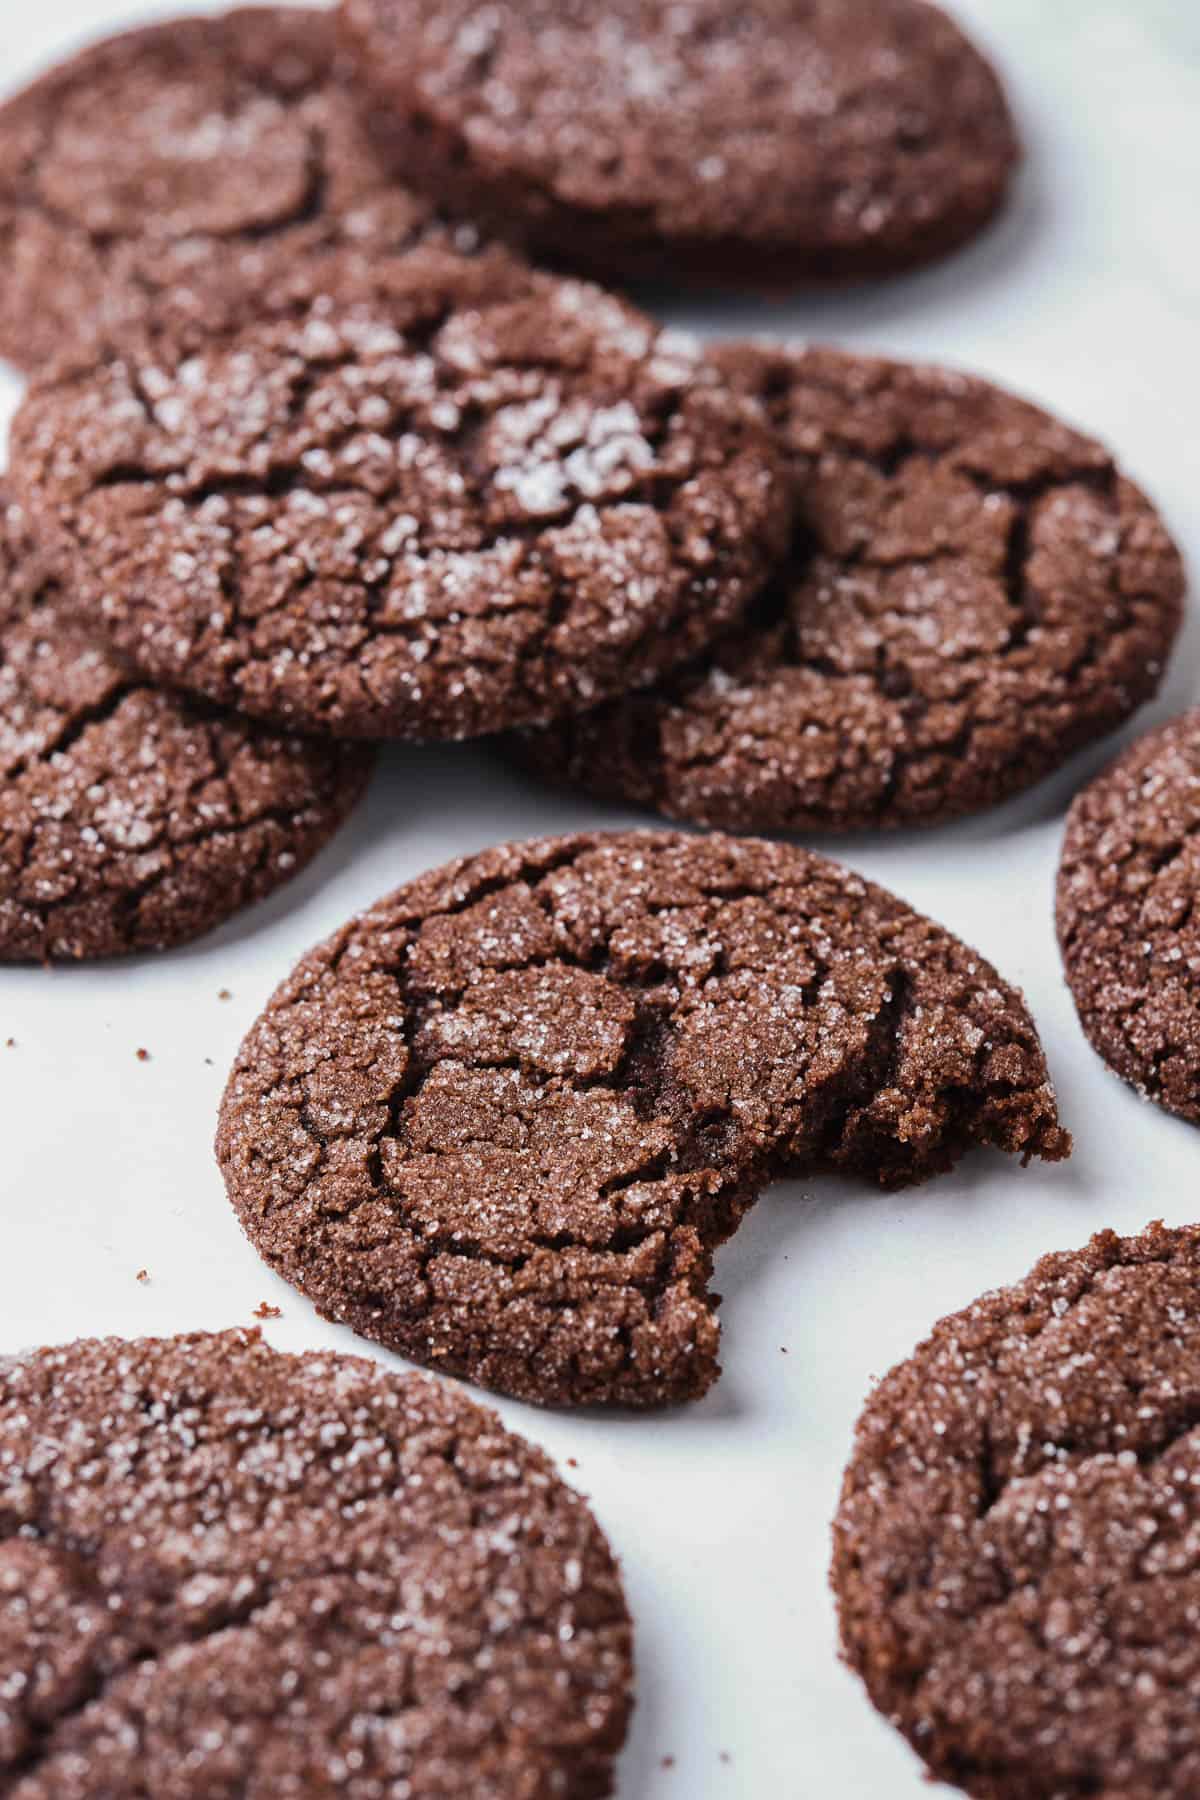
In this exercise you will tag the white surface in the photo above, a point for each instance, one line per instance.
(1088, 298)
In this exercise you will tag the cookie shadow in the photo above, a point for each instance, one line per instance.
(993, 261)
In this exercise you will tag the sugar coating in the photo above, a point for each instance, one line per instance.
(768, 143)
(132, 819)
(448, 495)
(224, 1571)
(1016, 1548)
(185, 174)
(501, 1122)
(974, 592)
(1128, 918)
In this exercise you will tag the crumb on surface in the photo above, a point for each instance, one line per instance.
(143, 1275)
(264, 1310)
(143, 1056)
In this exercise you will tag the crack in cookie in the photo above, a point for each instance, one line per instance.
(132, 819)
(188, 174)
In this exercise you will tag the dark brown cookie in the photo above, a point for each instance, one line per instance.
(132, 819)
(1128, 915)
(185, 174)
(1016, 1550)
(501, 1122)
(454, 495)
(974, 593)
(228, 1572)
(786, 141)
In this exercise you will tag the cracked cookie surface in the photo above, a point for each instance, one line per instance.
(231, 1572)
(787, 141)
(1128, 914)
(501, 1122)
(184, 174)
(133, 819)
(1016, 1545)
(461, 496)
(974, 592)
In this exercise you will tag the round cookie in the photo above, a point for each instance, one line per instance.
(228, 1571)
(788, 141)
(185, 174)
(974, 592)
(132, 819)
(453, 495)
(1128, 922)
(1015, 1552)
(501, 1122)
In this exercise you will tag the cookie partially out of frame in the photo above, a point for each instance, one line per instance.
(1016, 1561)
(228, 1571)
(1128, 914)
(450, 495)
(186, 173)
(501, 1122)
(132, 818)
(788, 141)
(974, 592)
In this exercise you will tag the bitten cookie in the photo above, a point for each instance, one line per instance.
(772, 144)
(974, 592)
(133, 819)
(452, 496)
(183, 174)
(228, 1571)
(1128, 920)
(502, 1121)
(1016, 1559)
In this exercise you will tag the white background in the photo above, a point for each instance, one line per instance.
(1086, 297)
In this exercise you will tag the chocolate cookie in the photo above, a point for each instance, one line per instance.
(501, 1122)
(786, 141)
(132, 819)
(1128, 920)
(461, 496)
(974, 592)
(1016, 1558)
(185, 174)
(225, 1571)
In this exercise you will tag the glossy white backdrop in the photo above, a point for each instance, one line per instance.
(1087, 297)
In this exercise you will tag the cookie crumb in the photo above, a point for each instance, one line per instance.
(143, 1056)
(668, 1762)
(10, 1043)
(143, 1275)
(224, 994)
(264, 1310)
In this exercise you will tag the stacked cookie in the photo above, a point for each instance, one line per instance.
(305, 447)
(316, 456)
